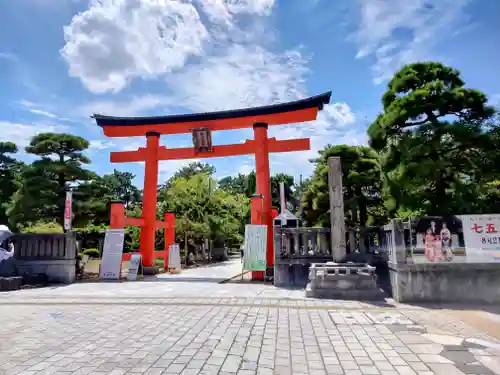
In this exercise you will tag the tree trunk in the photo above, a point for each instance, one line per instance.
(363, 218)
(186, 249)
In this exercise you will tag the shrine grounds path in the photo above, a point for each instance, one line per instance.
(191, 324)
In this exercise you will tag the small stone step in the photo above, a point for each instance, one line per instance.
(11, 283)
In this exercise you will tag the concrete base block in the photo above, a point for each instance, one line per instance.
(10, 283)
(57, 271)
(153, 270)
(291, 275)
(475, 283)
(9, 267)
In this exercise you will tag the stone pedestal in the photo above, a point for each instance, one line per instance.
(343, 281)
(8, 268)
(291, 275)
(148, 271)
(10, 283)
(57, 271)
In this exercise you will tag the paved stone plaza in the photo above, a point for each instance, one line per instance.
(190, 324)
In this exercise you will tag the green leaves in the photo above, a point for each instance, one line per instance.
(204, 210)
(431, 138)
(361, 182)
(66, 146)
(45, 181)
(10, 169)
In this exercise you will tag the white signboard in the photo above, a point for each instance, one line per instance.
(254, 255)
(437, 239)
(111, 262)
(482, 237)
(134, 266)
(68, 212)
(174, 256)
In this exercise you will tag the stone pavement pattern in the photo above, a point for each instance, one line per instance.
(176, 327)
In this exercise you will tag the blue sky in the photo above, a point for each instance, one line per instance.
(62, 60)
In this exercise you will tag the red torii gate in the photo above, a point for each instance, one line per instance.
(201, 125)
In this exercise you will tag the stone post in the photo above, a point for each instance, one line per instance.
(398, 248)
(336, 208)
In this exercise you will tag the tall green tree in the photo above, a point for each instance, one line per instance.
(203, 210)
(240, 184)
(121, 187)
(10, 168)
(188, 171)
(247, 184)
(45, 181)
(91, 198)
(361, 187)
(431, 139)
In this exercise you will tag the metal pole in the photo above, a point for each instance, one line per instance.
(300, 200)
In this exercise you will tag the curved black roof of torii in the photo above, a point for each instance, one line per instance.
(317, 101)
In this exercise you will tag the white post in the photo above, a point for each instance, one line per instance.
(282, 197)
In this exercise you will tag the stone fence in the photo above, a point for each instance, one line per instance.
(53, 255)
(295, 250)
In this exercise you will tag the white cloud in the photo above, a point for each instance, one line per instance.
(224, 10)
(8, 56)
(130, 107)
(42, 110)
(398, 32)
(100, 144)
(116, 40)
(245, 76)
(21, 134)
(43, 113)
(333, 126)
(220, 72)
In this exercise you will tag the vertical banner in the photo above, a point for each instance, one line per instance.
(68, 212)
(254, 254)
(111, 260)
(482, 237)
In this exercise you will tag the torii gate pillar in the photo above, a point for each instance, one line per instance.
(263, 177)
(148, 231)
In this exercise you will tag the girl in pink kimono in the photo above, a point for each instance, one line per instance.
(429, 241)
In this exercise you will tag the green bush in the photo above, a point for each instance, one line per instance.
(44, 228)
(93, 253)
